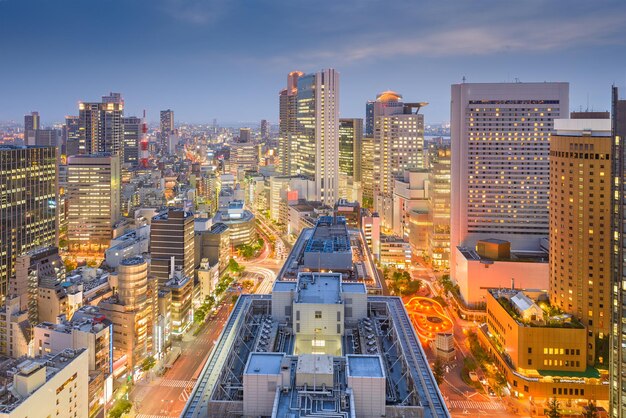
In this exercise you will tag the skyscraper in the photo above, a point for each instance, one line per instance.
(28, 204)
(265, 130)
(287, 125)
(500, 135)
(100, 125)
(131, 137)
(580, 205)
(439, 206)
(398, 145)
(618, 250)
(369, 118)
(367, 171)
(350, 152)
(71, 135)
(93, 196)
(317, 154)
(245, 135)
(167, 127)
(172, 239)
(31, 126)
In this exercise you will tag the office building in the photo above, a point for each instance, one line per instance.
(287, 125)
(167, 128)
(31, 122)
(181, 289)
(500, 135)
(348, 353)
(410, 207)
(28, 213)
(398, 146)
(240, 222)
(541, 355)
(214, 246)
(32, 269)
(133, 127)
(101, 126)
(439, 206)
(350, 153)
(130, 310)
(618, 226)
(172, 240)
(71, 135)
(317, 147)
(93, 199)
(369, 118)
(48, 386)
(245, 135)
(367, 171)
(265, 130)
(580, 210)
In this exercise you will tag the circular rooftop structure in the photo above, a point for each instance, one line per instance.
(388, 96)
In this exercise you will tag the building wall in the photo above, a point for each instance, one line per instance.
(493, 127)
(306, 322)
(475, 277)
(65, 394)
(369, 396)
(259, 391)
(580, 213)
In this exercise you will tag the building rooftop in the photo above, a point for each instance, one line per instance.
(264, 363)
(280, 286)
(365, 366)
(353, 287)
(319, 288)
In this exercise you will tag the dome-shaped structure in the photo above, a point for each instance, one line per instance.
(388, 96)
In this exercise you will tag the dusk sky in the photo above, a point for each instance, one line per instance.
(228, 59)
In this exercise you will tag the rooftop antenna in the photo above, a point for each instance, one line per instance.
(463, 79)
(587, 101)
(517, 80)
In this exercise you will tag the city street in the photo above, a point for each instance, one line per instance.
(166, 396)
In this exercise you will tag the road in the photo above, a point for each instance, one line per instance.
(166, 396)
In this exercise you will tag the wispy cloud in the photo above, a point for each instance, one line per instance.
(198, 12)
(514, 35)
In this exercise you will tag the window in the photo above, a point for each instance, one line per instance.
(530, 350)
(318, 314)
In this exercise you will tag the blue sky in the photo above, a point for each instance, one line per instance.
(227, 59)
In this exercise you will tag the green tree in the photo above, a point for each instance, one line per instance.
(148, 363)
(121, 407)
(234, 266)
(591, 411)
(554, 409)
(438, 370)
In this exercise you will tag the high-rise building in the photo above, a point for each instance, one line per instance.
(367, 171)
(369, 118)
(245, 135)
(287, 125)
(439, 206)
(100, 125)
(398, 145)
(93, 196)
(500, 134)
(71, 135)
(130, 310)
(28, 204)
(172, 241)
(31, 122)
(350, 152)
(132, 135)
(618, 251)
(265, 130)
(580, 205)
(317, 154)
(167, 127)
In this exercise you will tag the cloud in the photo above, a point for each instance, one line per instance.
(526, 34)
(198, 12)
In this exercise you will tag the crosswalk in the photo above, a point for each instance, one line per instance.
(483, 406)
(151, 416)
(171, 383)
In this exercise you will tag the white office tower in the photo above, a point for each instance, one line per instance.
(398, 146)
(317, 147)
(500, 135)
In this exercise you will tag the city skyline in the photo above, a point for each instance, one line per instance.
(212, 47)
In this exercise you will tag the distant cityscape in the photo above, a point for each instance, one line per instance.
(316, 263)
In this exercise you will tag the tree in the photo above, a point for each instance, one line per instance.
(148, 363)
(121, 407)
(248, 285)
(438, 370)
(554, 409)
(591, 411)
(234, 266)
